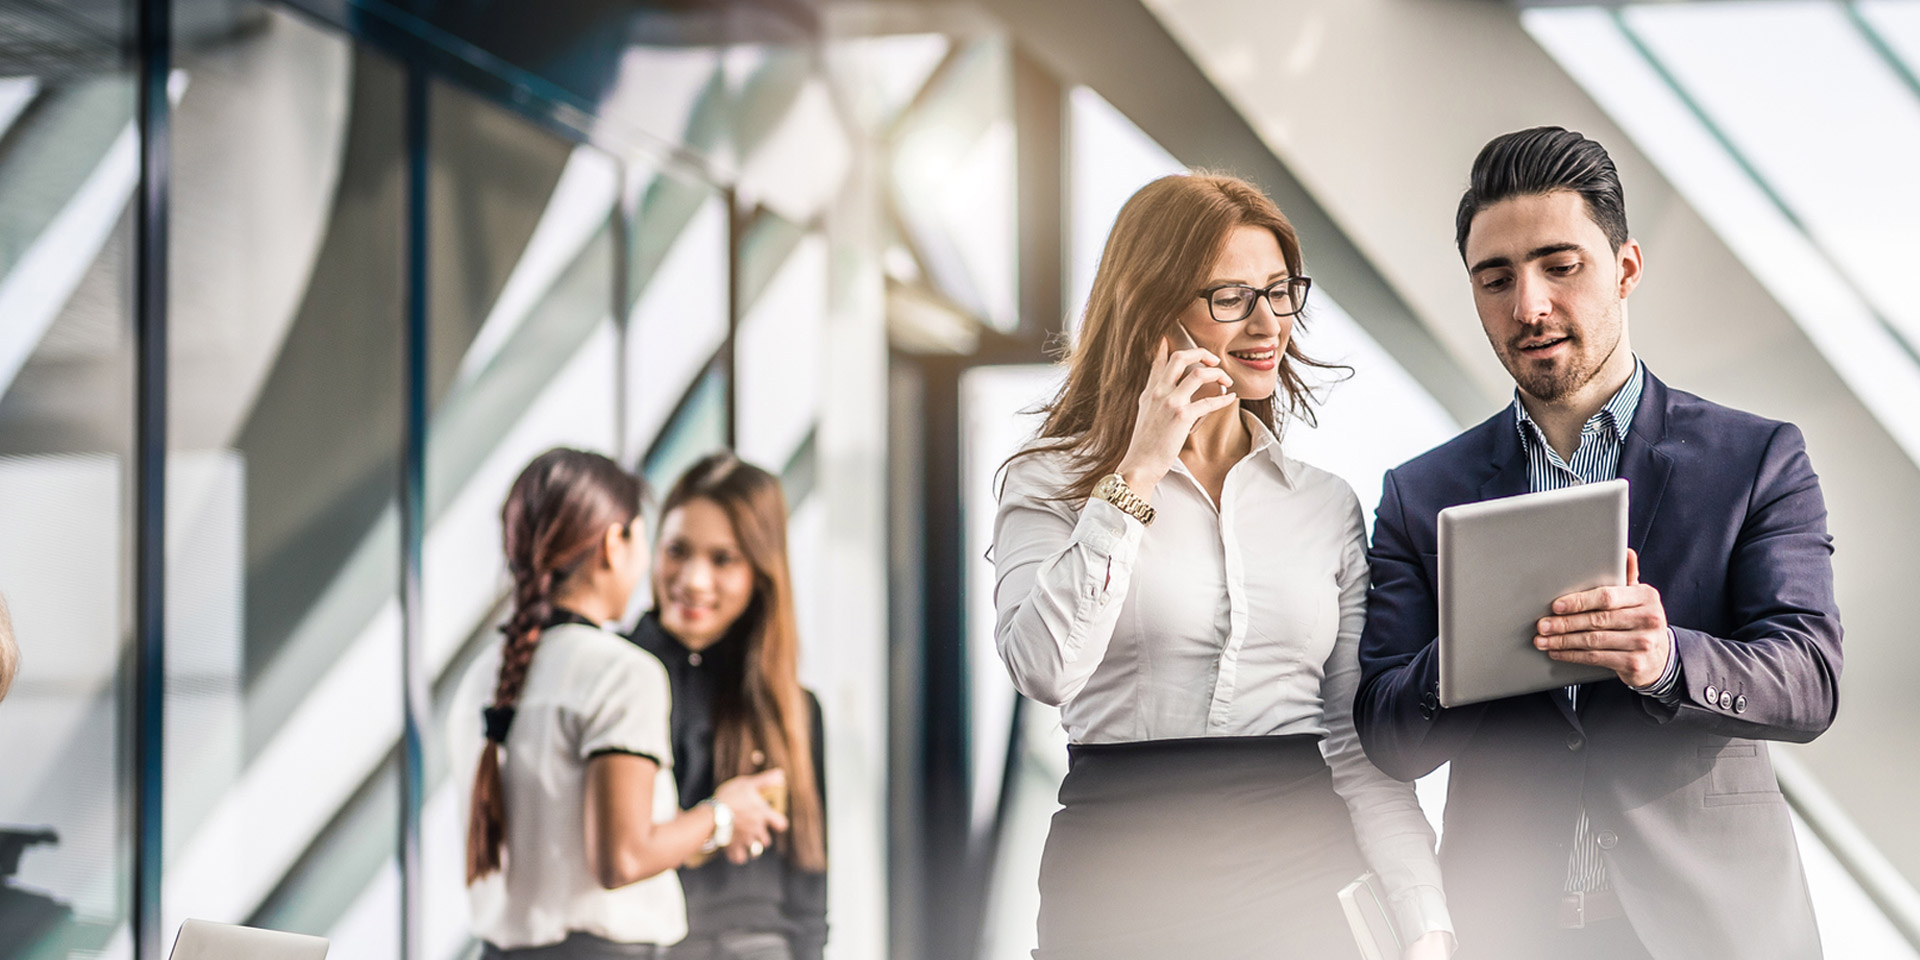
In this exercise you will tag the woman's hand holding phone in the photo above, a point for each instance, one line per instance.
(1169, 409)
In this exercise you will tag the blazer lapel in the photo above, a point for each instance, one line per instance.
(1643, 464)
(1506, 461)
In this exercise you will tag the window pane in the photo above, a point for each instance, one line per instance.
(780, 353)
(678, 277)
(286, 329)
(524, 359)
(68, 168)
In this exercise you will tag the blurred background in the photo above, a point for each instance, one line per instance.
(394, 248)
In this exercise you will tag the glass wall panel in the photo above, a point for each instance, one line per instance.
(524, 358)
(698, 428)
(678, 281)
(1112, 159)
(779, 353)
(1855, 113)
(68, 169)
(285, 391)
(952, 179)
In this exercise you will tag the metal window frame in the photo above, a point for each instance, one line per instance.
(427, 55)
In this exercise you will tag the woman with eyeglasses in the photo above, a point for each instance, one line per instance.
(1191, 598)
(723, 622)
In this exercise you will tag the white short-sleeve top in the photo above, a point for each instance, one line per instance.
(588, 692)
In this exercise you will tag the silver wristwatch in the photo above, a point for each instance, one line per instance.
(722, 825)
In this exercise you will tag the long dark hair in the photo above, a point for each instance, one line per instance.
(555, 517)
(1164, 241)
(768, 714)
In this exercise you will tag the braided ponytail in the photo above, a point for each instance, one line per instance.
(552, 522)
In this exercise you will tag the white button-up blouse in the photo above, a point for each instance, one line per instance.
(1231, 621)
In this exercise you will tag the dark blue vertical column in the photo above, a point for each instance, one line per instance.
(951, 909)
(738, 221)
(413, 509)
(149, 482)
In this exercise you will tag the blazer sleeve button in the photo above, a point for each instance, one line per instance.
(1713, 694)
(1726, 700)
(1740, 704)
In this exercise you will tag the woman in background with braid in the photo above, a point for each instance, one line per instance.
(575, 824)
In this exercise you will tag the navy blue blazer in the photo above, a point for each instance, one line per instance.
(1730, 525)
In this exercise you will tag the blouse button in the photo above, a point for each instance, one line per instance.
(693, 658)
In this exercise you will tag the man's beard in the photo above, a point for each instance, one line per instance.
(1549, 381)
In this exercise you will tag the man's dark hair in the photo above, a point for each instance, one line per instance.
(1541, 160)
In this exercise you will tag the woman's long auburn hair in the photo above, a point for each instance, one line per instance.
(768, 713)
(555, 518)
(1165, 240)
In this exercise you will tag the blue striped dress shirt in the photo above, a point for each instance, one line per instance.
(1596, 459)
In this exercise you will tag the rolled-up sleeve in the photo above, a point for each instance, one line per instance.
(1392, 831)
(1060, 580)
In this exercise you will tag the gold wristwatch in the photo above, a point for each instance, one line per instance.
(1113, 489)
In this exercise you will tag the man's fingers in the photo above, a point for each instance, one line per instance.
(1633, 567)
(1592, 657)
(1610, 618)
(1617, 641)
(1599, 598)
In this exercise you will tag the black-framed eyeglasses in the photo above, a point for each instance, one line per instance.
(1233, 302)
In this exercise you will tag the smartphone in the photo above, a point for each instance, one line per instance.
(1206, 389)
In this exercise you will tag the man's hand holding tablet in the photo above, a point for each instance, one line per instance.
(1623, 629)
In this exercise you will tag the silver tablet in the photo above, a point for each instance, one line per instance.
(1502, 564)
(204, 940)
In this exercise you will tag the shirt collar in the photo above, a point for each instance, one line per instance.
(1263, 439)
(1617, 413)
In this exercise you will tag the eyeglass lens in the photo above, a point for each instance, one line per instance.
(1231, 304)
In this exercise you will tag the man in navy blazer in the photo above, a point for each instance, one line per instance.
(1636, 816)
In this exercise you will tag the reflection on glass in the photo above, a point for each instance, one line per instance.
(67, 171)
(1112, 159)
(880, 75)
(697, 429)
(792, 148)
(780, 350)
(953, 182)
(285, 390)
(523, 258)
(1845, 172)
(679, 277)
